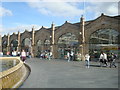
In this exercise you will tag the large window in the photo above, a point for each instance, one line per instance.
(39, 43)
(104, 40)
(47, 42)
(67, 42)
(13, 45)
(26, 44)
(104, 36)
(68, 39)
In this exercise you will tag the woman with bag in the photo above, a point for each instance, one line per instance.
(23, 55)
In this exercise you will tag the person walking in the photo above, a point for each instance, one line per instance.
(50, 55)
(112, 60)
(101, 59)
(23, 55)
(68, 56)
(87, 57)
(105, 59)
(72, 56)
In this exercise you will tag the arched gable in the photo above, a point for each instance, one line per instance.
(42, 35)
(103, 22)
(26, 34)
(4, 38)
(66, 28)
(13, 37)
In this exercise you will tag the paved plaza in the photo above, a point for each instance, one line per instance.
(58, 73)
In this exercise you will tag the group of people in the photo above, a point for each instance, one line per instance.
(46, 55)
(15, 53)
(104, 59)
(23, 55)
(70, 56)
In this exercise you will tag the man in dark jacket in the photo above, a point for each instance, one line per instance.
(112, 60)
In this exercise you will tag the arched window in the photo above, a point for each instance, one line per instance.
(47, 42)
(104, 36)
(104, 40)
(68, 39)
(14, 44)
(39, 43)
(26, 44)
(67, 42)
(4, 44)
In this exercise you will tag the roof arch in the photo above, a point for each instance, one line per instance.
(42, 35)
(103, 22)
(13, 37)
(25, 34)
(66, 28)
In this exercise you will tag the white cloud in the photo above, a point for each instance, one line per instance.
(57, 8)
(5, 12)
(108, 8)
(70, 9)
(20, 28)
(59, 0)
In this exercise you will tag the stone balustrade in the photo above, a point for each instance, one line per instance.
(15, 76)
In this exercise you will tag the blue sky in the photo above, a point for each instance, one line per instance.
(18, 16)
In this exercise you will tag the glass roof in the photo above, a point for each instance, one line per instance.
(108, 32)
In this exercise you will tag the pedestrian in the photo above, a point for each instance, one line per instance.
(101, 59)
(8, 53)
(105, 59)
(14, 53)
(50, 55)
(27, 54)
(1, 54)
(41, 55)
(87, 57)
(112, 60)
(23, 56)
(71, 55)
(68, 56)
(18, 54)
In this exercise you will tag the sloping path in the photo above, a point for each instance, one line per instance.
(62, 74)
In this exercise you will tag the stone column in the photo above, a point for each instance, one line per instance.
(18, 47)
(82, 46)
(52, 47)
(53, 34)
(8, 42)
(33, 42)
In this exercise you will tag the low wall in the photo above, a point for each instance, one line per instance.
(15, 76)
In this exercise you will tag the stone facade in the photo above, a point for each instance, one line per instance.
(82, 30)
